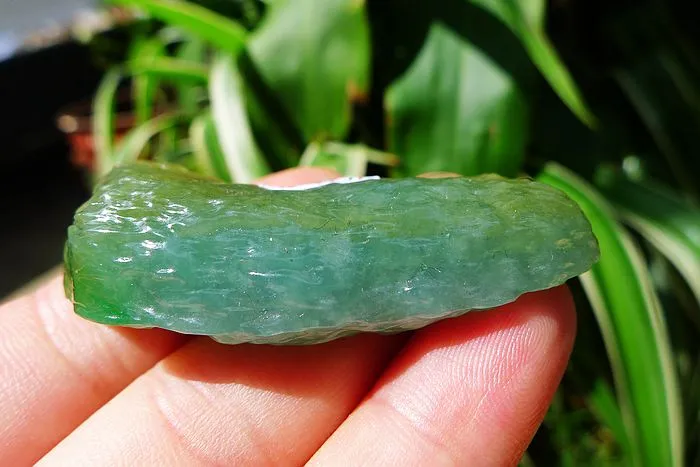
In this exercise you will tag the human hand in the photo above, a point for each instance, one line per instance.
(465, 391)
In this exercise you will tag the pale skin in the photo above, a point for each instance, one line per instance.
(465, 391)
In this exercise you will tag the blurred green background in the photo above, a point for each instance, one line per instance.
(598, 98)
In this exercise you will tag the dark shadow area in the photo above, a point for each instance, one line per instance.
(39, 189)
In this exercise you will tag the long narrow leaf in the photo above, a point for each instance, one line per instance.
(274, 128)
(208, 156)
(562, 430)
(177, 71)
(103, 120)
(525, 19)
(192, 50)
(666, 220)
(602, 403)
(244, 161)
(168, 147)
(372, 155)
(145, 86)
(633, 329)
(349, 160)
(132, 146)
(217, 29)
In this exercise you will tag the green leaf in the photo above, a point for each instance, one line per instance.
(562, 430)
(168, 147)
(219, 30)
(526, 461)
(103, 120)
(274, 130)
(244, 161)
(208, 157)
(132, 146)
(174, 70)
(525, 19)
(512, 12)
(349, 160)
(347, 163)
(633, 329)
(601, 400)
(145, 86)
(667, 221)
(189, 95)
(455, 110)
(317, 58)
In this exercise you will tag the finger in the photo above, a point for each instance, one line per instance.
(232, 404)
(439, 175)
(299, 176)
(56, 368)
(213, 404)
(466, 391)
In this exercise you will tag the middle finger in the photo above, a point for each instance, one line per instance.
(214, 404)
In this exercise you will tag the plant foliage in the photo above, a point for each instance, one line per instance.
(599, 99)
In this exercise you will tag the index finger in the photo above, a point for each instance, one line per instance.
(56, 368)
(470, 390)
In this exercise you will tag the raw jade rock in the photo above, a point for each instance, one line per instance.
(156, 246)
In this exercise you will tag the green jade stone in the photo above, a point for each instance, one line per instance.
(156, 246)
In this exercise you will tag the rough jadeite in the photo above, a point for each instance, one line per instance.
(159, 247)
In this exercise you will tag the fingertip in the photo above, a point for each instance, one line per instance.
(439, 175)
(509, 361)
(483, 379)
(63, 367)
(553, 308)
(298, 176)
